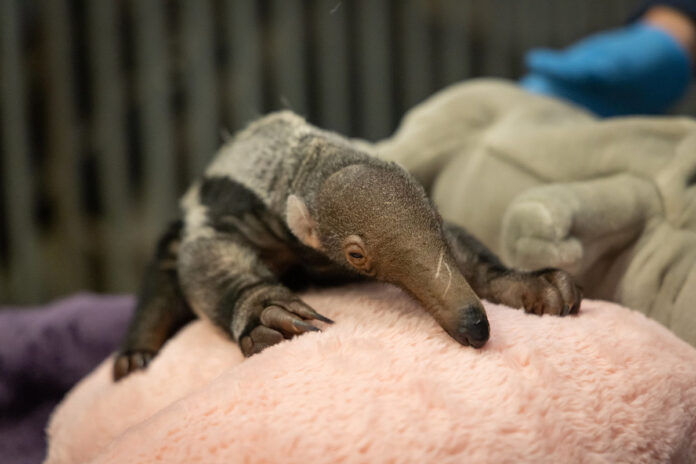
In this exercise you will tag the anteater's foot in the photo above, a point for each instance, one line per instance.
(546, 291)
(280, 315)
(551, 291)
(131, 361)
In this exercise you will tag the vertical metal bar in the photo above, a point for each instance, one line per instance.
(202, 124)
(25, 279)
(497, 57)
(606, 15)
(547, 16)
(574, 23)
(63, 153)
(516, 41)
(456, 40)
(152, 87)
(625, 8)
(289, 54)
(528, 34)
(687, 105)
(330, 18)
(5, 292)
(540, 23)
(374, 65)
(110, 142)
(415, 52)
(244, 91)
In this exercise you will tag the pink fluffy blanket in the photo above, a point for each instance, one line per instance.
(386, 384)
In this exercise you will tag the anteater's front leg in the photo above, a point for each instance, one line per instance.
(545, 291)
(225, 282)
(161, 309)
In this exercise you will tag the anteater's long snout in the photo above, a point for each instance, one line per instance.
(445, 293)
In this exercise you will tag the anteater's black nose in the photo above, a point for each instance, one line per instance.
(474, 326)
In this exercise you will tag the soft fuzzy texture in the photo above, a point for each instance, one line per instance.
(386, 384)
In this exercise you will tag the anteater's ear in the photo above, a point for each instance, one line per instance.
(301, 222)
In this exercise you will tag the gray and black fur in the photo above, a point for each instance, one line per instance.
(285, 204)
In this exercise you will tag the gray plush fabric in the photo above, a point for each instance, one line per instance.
(544, 183)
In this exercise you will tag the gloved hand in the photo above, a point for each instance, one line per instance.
(638, 69)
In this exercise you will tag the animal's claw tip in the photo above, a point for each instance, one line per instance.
(322, 318)
(304, 326)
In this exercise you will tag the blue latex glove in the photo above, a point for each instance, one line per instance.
(638, 69)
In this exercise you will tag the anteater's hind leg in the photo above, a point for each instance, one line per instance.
(161, 309)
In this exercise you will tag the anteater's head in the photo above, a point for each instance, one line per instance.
(375, 219)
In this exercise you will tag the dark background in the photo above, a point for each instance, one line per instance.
(109, 108)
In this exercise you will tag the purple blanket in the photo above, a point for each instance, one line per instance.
(44, 351)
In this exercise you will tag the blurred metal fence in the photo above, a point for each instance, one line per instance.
(109, 108)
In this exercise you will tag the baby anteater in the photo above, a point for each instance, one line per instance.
(285, 204)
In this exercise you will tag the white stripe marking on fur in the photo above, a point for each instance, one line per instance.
(449, 281)
(439, 264)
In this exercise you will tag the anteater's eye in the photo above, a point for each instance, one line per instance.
(356, 256)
